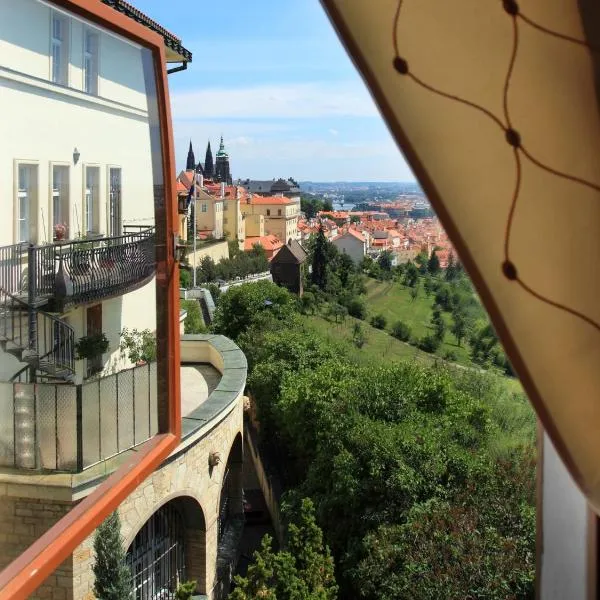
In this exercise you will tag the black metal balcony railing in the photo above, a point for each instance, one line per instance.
(65, 427)
(68, 273)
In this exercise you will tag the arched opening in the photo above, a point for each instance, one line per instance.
(168, 549)
(231, 516)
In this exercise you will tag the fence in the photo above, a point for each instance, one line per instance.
(63, 427)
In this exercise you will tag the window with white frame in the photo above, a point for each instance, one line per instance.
(59, 52)
(26, 205)
(60, 199)
(92, 200)
(90, 61)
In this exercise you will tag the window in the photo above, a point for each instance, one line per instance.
(114, 201)
(279, 212)
(60, 196)
(27, 203)
(204, 207)
(90, 62)
(91, 199)
(268, 212)
(59, 51)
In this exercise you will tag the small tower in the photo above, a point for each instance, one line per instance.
(209, 167)
(191, 160)
(222, 172)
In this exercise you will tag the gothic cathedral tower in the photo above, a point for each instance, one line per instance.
(222, 172)
(209, 167)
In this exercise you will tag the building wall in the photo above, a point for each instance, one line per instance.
(353, 247)
(255, 226)
(210, 214)
(217, 251)
(284, 225)
(233, 220)
(96, 125)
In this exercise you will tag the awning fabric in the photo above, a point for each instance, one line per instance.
(495, 106)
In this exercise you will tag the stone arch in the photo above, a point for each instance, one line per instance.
(175, 531)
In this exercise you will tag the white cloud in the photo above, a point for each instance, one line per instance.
(286, 101)
(334, 132)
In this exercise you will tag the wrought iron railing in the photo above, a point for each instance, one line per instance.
(65, 427)
(40, 340)
(73, 272)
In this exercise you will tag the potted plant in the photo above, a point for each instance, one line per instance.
(138, 346)
(91, 347)
(60, 232)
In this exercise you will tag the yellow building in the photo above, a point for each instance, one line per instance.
(280, 215)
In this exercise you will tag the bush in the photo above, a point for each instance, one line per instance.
(378, 321)
(430, 343)
(401, 331)
(185, 279)
(358, 335)
(139, 346)
(193, 321)
(450, 355)
(357, 308)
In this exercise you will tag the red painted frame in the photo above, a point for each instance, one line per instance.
(25, 574)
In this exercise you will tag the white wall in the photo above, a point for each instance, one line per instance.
(353, 247)
(563, 557)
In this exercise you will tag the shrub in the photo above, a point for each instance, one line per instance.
(450, 355)
(378, 321)
(185, 279)
(430, 343)
(139, 346)
(193, 321)
(357, 308)
(401, 330)
(90, 346)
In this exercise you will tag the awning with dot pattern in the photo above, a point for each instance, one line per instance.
(495, 106)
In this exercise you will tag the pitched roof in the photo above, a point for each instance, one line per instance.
(268, 242)
(277, 200)
(292, 252)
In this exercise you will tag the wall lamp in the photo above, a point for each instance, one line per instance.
(76, 156)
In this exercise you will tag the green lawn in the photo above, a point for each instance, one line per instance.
(393, 301)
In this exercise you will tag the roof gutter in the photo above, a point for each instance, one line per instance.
(181, 67)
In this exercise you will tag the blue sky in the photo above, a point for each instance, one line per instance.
(273, 79)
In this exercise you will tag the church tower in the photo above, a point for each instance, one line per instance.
(191, 160)
(209, 167)
(222, 172)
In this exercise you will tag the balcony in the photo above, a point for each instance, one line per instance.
(87, 428)
(64, 274)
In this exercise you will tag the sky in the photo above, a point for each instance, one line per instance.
(274, 80)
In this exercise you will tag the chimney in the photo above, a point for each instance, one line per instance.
(222, 189)
(201, 180)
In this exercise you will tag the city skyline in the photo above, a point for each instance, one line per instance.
(280, 89)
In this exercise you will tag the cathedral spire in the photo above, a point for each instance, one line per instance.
(209, 167)
(191, 160)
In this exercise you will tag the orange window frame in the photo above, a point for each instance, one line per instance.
(26, 573)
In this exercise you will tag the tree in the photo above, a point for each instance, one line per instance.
(411, 275)
(433, 264)
(185, 279)
(139, 346)
(414, 292)
(357, 308)
(384, 260)
(338, 312)
(439, 325)
(319, 259)
(421, 261)
(242, 304)
(302, 571)
(193, 321)
(308, 303)
(378, 321)
(358, 335)
(451, 272)
(207, 270)
(430, 343)
(401, 331)
(459, 326)
(112, 576)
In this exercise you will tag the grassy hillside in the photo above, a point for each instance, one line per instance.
(394, 302)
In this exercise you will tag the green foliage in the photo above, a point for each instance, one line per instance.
(378, 321)
(430, 343)
(384, 260)
(193, 322)
(421, 261)
(215, 291)
(240, 305)
(320, 254)
(139, 346)
(112, 578)
(302, 571)
(401, 330)
(357, 308)
(308, 303)
(185, 590)
(337, 312)
(239, 264)
(185, 279)
(439, 325)
(358, 335)
(410, 276)
(310, 205)
(433, 264)
(91, 346)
